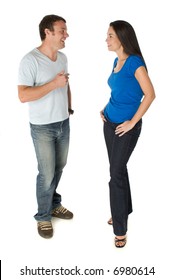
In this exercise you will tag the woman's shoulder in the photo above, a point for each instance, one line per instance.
(134, 62)
(135, 58)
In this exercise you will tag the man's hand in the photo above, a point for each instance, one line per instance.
(61, 79)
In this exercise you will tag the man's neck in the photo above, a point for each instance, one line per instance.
(48, 51)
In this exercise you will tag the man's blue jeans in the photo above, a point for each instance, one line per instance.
(119, 151)
(51, 144)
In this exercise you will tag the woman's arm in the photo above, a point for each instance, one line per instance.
(102, 115)
(149, 95)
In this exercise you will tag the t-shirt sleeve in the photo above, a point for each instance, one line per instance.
(27, 71)
(135, 63)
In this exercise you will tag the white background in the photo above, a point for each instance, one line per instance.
(87, 240)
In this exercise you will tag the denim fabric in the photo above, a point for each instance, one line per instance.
(119, 151)
(51, 144)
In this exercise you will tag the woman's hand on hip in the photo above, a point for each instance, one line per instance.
(102, 116)
(123, 128)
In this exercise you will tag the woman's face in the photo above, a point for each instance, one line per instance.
(112, 40)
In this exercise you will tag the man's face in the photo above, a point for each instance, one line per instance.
(59, 35)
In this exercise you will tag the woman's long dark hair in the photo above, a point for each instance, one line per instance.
(127, 36)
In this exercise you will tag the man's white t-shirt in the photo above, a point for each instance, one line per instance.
(37, 69)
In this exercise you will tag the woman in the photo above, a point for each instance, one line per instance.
(131, 95)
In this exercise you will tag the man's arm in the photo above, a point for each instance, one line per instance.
(70, 110)
(29, 93)
(69, 97)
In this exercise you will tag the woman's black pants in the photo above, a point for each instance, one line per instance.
(119, 150)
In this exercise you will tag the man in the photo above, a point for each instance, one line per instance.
(43, 83)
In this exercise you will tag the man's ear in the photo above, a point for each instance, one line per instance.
(47, 31)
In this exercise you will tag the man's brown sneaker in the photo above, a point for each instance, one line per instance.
(62, 213)
(45, 229)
